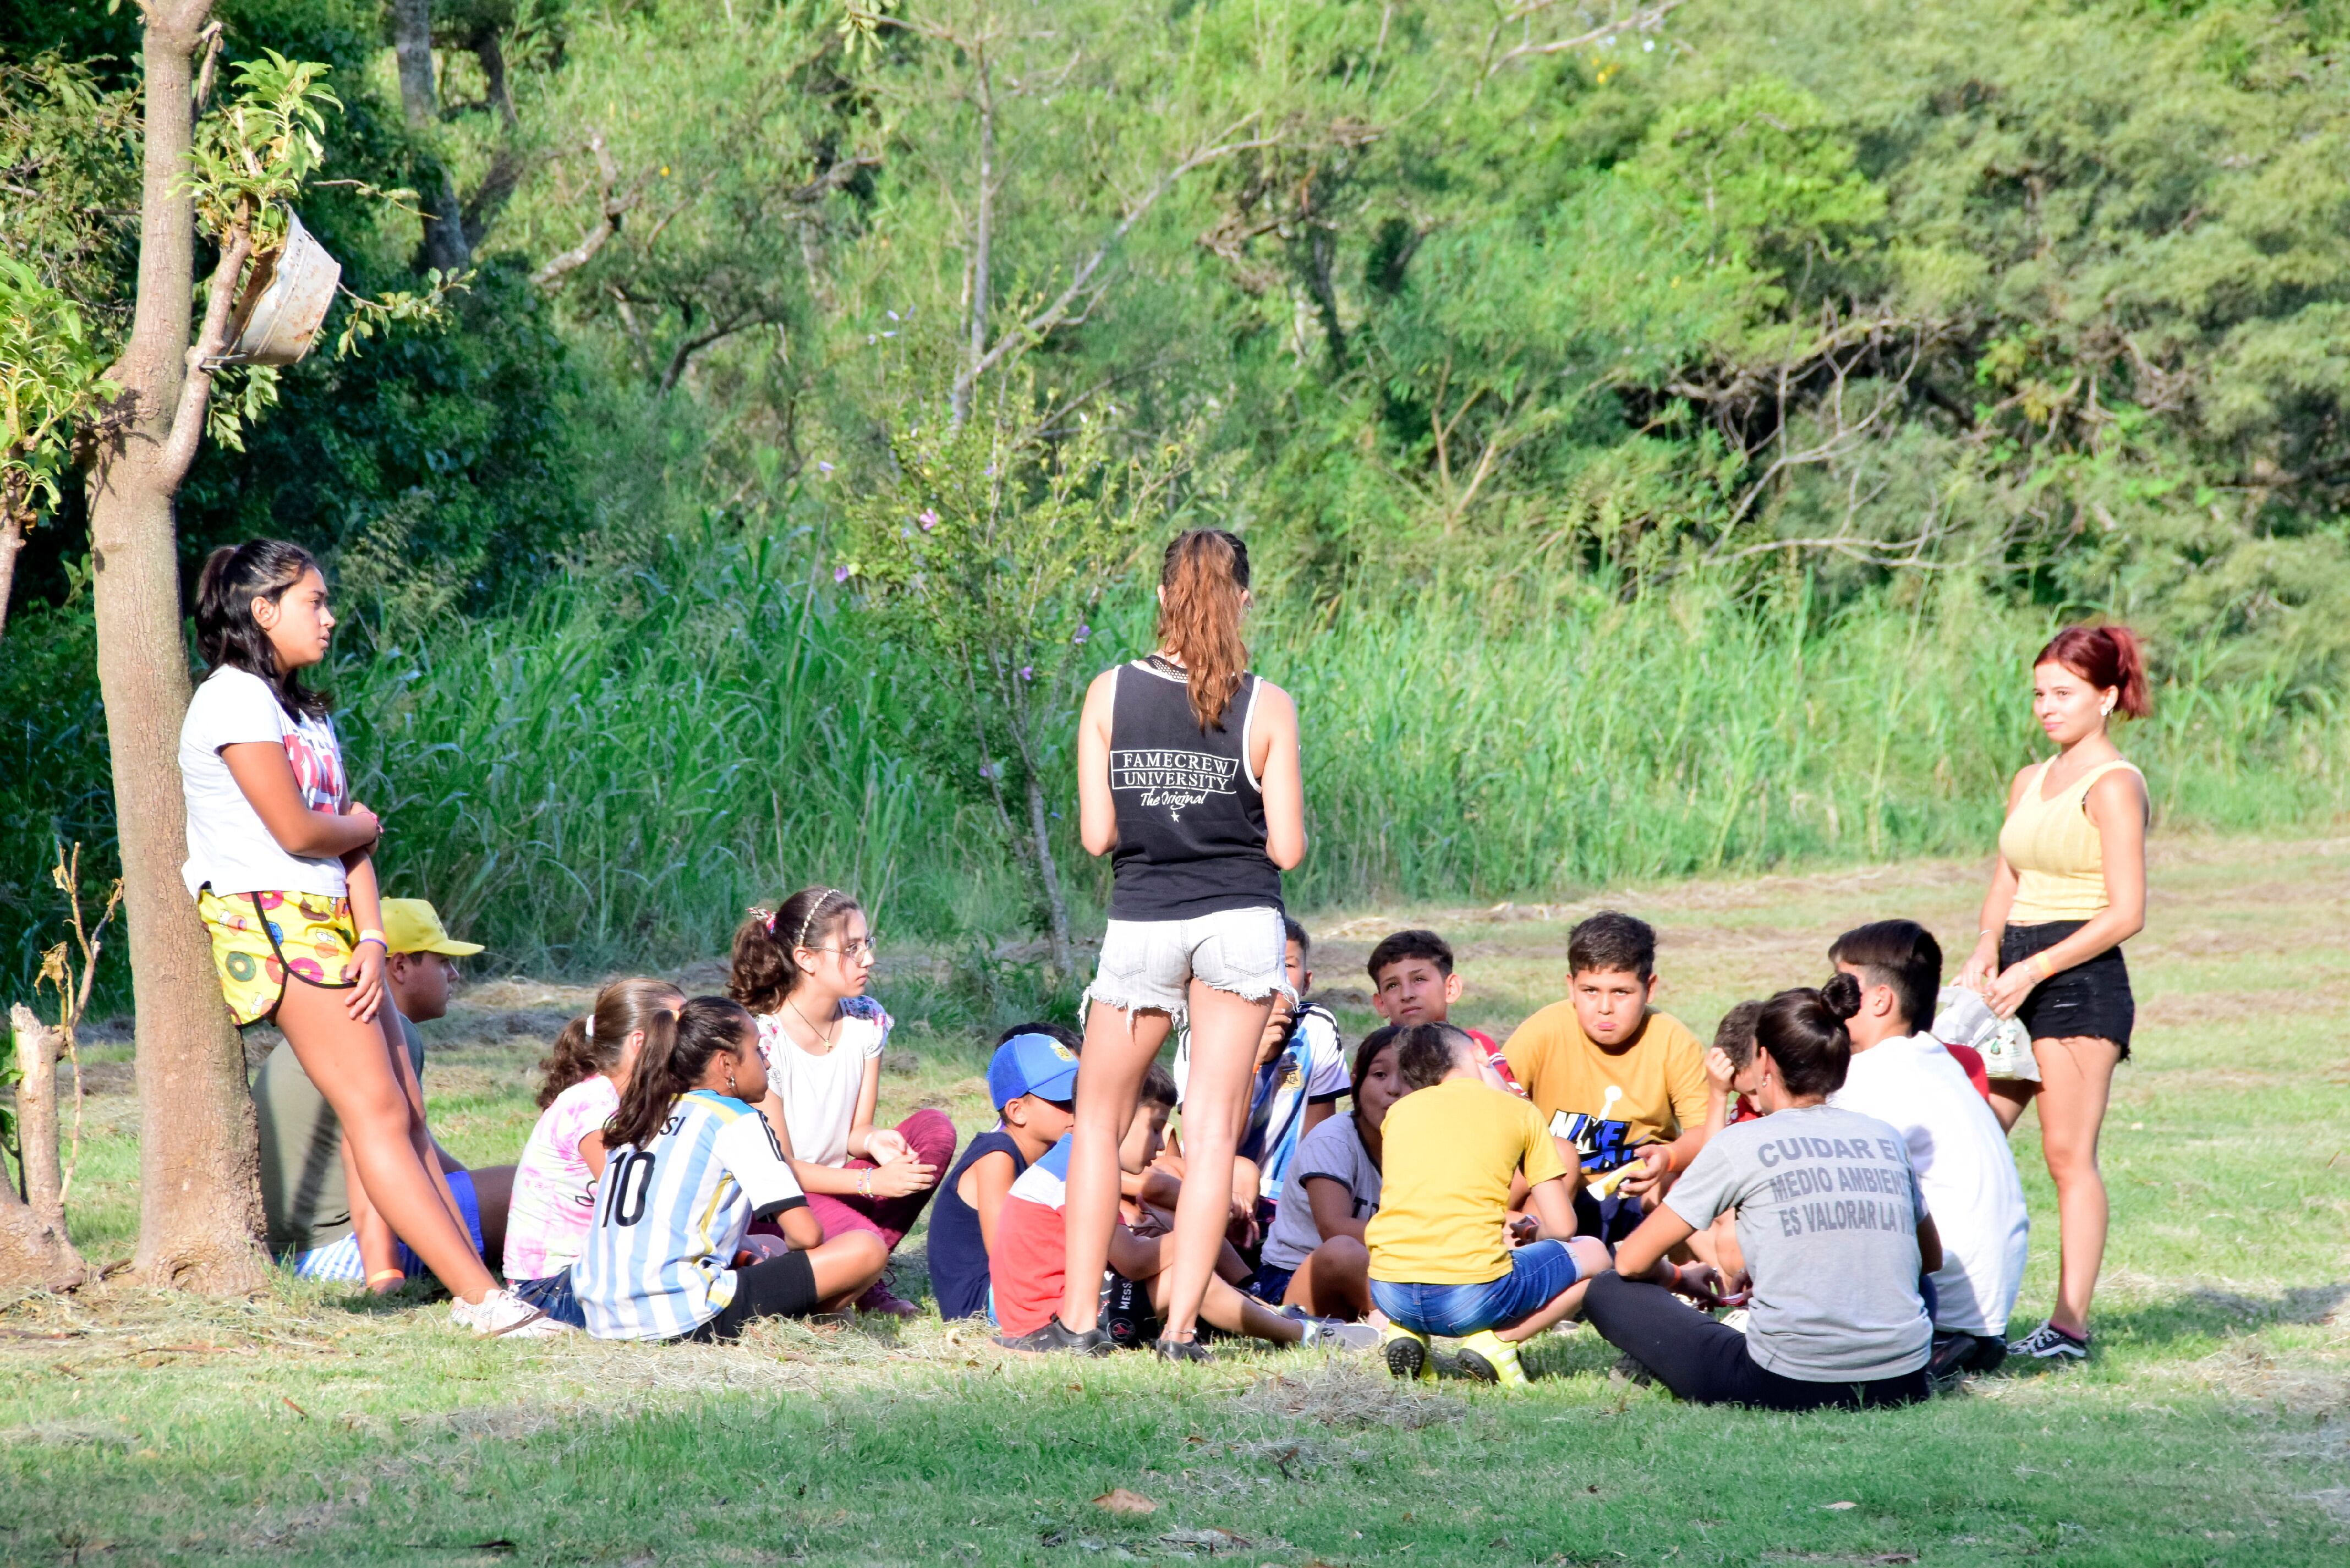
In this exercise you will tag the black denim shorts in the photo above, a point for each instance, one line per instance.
(2092, 998)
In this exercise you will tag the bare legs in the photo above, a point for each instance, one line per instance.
(1225, 1029)
(352, 1065)
(1334, 1281)
(846, 1264)
(2076, 1079)
(1119, 1046)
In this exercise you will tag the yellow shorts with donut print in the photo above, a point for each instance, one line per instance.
(258, 939)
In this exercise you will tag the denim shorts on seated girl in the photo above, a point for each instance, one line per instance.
(1150, 965)
(1538, 1270)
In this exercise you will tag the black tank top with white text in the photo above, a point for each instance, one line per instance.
(1191, 814)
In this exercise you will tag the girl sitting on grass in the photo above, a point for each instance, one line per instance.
(691, 1163)
(1315, 1259)
(802, 972)
(1830, 1224)
(555, 1182)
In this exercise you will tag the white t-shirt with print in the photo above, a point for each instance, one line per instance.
(1965, 1172)
(820, 1093)
(228, 847)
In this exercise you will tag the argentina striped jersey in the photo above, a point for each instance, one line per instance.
(670, 1216)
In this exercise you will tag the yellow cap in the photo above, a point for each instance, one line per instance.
(413, 926)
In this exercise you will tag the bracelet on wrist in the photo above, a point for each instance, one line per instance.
(2042, 967)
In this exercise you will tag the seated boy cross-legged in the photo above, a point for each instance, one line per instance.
(1029, 1261)
(1441, 1262)
(1033, 1080)
(1623, 1084)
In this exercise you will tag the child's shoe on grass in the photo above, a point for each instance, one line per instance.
(1488, 1358)
(1406, 1354)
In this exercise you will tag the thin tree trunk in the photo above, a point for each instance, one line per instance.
(1056, 906)
(34, 1247)
(982, 246)
(12, 540)
(445, 247)
(200, 1194)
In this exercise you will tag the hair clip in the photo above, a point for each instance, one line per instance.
(591, 1025)
(827, 896)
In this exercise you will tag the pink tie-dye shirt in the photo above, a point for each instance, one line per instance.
(554, 1190)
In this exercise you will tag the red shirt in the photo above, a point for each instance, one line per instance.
(1971, 1061)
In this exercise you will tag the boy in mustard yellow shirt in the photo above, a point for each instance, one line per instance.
(1442, 1259)
(1616, 1082)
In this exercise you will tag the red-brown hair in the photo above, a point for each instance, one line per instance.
(1203, 584)
(2106, 657)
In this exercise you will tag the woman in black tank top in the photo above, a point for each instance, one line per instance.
(1189, 779)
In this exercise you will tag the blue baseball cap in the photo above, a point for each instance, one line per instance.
(1034, 1064)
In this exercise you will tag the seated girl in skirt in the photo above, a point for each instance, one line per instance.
(691, 1163)
(802, 972)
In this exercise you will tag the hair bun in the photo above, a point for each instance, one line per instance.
(1842, 996)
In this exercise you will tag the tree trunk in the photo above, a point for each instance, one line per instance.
(982, 246)
(444, 217)
(200, 1196)
(34, 1247)
(12, 539)
(1049, 872)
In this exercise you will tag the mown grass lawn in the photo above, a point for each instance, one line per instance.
(2213, 1427)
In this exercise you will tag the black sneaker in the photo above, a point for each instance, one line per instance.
(1953, 1356)
(1057, 1336)
(2049, 1343)
(1182, 1350)
(1629, 1369)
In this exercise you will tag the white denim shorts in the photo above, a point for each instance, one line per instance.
(1151, 964)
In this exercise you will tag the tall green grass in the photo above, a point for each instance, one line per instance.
(610, 776)
(615, 775)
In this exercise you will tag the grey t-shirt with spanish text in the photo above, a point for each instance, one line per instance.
(1827, 1213)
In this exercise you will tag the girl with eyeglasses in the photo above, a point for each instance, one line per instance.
(802, 971)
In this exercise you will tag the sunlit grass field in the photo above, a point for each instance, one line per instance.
(2211, 1428)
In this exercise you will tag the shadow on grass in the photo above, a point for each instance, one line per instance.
(2216, 1314)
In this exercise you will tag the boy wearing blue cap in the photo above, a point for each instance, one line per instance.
(1033, 1080)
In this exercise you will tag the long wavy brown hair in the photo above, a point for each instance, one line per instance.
(1204, 583)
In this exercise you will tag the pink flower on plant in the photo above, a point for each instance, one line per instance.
(1083, 632)
(840, 574)
(929, 519)
(1028, 672)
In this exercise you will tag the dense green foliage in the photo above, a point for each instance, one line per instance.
(1659, 451)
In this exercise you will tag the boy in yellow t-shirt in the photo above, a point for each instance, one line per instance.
(1616, 1082)
(1441, 1260)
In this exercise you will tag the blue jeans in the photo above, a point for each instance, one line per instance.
(1538, 1272)
(552, 1296)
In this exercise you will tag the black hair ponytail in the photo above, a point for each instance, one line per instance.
(1804, 1032)
(226, 634)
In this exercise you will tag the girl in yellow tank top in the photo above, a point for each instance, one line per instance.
(2068, 891)
(2055, 849)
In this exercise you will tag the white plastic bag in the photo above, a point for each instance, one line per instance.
(1962, 1017)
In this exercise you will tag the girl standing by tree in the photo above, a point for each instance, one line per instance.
(2069, 889)
(1188, 778)
(802, 972)
(281, 865)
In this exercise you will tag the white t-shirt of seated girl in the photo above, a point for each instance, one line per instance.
(820, 1093)
(228, 847)
(554, 1190)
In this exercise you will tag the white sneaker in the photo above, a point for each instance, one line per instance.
(1330, 1334)
(1735, 1318)
(502, 1315)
